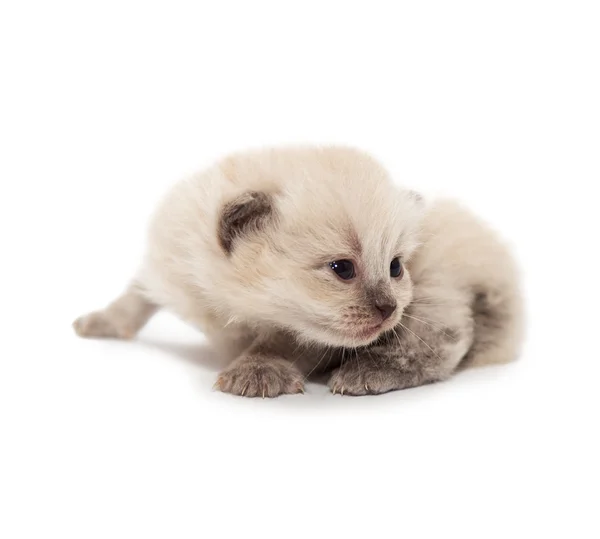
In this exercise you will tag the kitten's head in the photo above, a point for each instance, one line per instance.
(324, 255)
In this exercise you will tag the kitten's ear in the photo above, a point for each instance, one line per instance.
(418, 203)
(417, 198)
(415, 211)
(250, 212)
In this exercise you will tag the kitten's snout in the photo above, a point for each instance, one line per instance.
(386, 308)
(381, 299)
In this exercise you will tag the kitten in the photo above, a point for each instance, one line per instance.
(301, 260)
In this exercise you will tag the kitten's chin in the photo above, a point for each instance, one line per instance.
(354, 338)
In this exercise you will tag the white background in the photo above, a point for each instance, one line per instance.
(103, 105)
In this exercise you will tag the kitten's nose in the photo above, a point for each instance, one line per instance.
(386, 308)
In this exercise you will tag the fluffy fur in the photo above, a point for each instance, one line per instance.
(243, 249)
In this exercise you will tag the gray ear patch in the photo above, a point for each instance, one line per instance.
(417, 197)
(249, 212)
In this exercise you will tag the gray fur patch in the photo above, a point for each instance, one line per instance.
(247, 213)
(486, 314)
(490, 318)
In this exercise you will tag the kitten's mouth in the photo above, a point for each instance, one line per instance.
(368, 334)
(370, 331)
(359, 335)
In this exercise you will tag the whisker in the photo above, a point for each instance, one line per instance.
(357, 362)
(398, 338)
(429, 322)
(411, 331)
(427, 300)
(318, 363)
(429, 304)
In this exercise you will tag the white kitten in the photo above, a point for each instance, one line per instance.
(287, 258)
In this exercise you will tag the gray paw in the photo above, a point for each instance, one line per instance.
(367, 378)
(260, 377)
(101, 324)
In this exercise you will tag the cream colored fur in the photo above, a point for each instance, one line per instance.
(271, 301)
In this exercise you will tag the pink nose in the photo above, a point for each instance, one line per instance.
(386, 308)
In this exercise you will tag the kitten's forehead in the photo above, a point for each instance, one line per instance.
(337, 235)
(378, 248)
(355, 215)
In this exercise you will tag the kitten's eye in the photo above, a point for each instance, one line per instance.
(343, 268)
(396, 269)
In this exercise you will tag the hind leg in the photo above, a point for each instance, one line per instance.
(122, 319)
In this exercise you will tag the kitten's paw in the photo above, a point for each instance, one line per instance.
(101, 324)
(260, 377)
(367, 378)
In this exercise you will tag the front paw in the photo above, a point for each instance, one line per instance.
(260, 377)
(367, 378)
